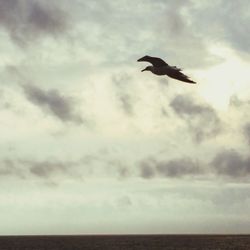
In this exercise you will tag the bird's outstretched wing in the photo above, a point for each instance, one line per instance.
(177, 74)
(157, 62)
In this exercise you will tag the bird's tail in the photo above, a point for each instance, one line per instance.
(181, 77)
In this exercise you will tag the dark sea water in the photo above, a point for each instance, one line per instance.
(126, 242)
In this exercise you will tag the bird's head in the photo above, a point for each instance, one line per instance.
(148, 68)
(145, 58)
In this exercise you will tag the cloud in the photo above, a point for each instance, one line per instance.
(123, 93)
(235, 101)
(45, 169)
(3, 103)
(246, 131)
(238, 194)
(230, 22)
(131, 25)
(163, 82)
(201, 118)
(164, 112)
(178, 167)
(240, 107)
(22, 168)
(123, 172)
(184, 106)
(227, 164)
(231, 163)
(175, 168)
(147, 169)
(178, 31)
(176, 24)
(29, 20)
(9, 168)
(124, 201)
(53, 102)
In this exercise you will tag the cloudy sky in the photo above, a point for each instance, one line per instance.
(89, 144)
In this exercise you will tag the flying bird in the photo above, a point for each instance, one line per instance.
(160, 67)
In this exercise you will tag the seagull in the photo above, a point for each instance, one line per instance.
(160, 67)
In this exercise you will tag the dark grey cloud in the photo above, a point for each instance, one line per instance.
(147, 168)
(178, 167)
(184, 106)
(232, 164)
(201, 118)
(53, 102)
(6, 167)
(9, 168)
(28, 20)
(227, 164)
(45, 169)
(246, 131)
(175, 168)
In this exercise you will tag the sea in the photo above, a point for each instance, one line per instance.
(126, 242)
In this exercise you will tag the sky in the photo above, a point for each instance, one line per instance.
(90, 145)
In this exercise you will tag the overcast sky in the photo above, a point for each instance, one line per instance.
(89, 144)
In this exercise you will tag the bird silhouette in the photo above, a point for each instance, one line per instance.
(160, 67)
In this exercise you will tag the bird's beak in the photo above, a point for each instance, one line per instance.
(142, 59)
(143, 70)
